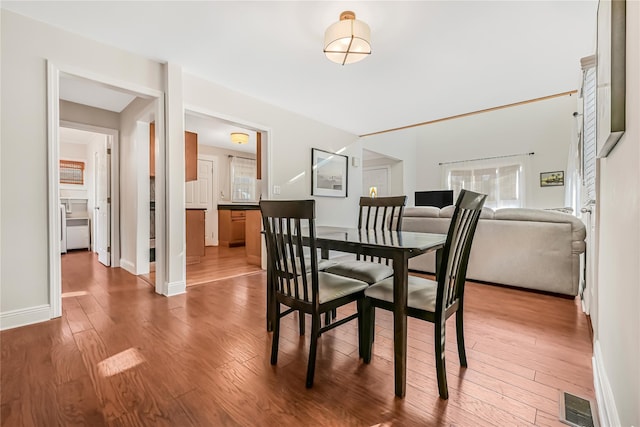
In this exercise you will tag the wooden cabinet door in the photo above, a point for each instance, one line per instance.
(190, 156)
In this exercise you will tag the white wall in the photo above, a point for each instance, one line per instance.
(26, 45)
(544, 127)
(134, 186)
(78, 113)
(290, 141)
(399, 145)
(617, 348)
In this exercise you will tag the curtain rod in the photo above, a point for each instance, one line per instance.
(240, 157)
(487, 158)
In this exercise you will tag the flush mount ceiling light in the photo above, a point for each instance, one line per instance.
(348, 40)
(239, 137)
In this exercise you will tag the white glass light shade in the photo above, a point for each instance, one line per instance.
(239, 137)
(348, 40)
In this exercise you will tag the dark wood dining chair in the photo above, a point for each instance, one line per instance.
(376, 214)
(296, 281)
(435, 301)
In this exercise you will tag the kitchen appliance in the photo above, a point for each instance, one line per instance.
(63, 229)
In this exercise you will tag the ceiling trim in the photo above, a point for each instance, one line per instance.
(486, 110)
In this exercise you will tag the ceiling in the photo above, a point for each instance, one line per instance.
(430, 59)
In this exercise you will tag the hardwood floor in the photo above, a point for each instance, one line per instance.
(218, 263)
(122, 355)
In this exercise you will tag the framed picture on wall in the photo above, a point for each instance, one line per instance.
(610, 71)
(329, 174)
(552, 179)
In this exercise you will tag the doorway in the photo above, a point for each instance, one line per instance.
(216, 153)
(92, 88)
(87, 204)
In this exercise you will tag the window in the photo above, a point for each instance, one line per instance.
(501, 179)
(589, 132)
(71, 172)
(243, 179)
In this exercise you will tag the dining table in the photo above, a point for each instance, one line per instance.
(396, 246)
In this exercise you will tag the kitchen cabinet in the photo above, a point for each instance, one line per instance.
(231, 223)
(190, 154)
(194, 227)
(253, 238)
(152, 149)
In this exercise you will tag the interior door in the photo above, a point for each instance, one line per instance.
(206, 190)
(103, 206)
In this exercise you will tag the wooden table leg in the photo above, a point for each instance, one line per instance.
(400, 285)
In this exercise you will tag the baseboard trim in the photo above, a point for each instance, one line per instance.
(128, 266)
(607, 411)
(176, 288)
(25, 316)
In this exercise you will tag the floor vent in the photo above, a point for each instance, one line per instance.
(577, 411)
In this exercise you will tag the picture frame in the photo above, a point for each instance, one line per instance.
(329, 173)
(552, 179)
(611, 74)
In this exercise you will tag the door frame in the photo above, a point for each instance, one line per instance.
(54, 71)
(113, 143)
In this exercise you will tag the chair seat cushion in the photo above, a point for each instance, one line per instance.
(331, 286)
(370, 272)
(421, 292)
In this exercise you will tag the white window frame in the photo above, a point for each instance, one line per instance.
(496, 195)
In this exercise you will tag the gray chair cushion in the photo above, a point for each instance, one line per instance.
(421, 292)
(370, 272)
(331, 287)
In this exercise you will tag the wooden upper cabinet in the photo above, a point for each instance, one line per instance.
(190, 156)
(152, 149)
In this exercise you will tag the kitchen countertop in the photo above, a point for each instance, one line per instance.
(239, 206)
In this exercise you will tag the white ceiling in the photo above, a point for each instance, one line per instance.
(430, 59)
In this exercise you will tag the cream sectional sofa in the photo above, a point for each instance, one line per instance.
(529, 248)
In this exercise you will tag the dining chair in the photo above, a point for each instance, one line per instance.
(297, 283)
(435, 301)
(375, 214)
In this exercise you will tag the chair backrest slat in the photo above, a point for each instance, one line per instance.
(452, 270)
(284, 224)
(380, 214)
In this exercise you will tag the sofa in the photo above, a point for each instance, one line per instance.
(527, 248)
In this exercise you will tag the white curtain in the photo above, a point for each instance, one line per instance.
(502, 179)
(572, 181)
(243, 179)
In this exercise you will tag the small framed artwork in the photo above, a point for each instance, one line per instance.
(329, 174)
(552, 179)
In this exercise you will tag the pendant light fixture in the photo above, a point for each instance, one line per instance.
(348, 40)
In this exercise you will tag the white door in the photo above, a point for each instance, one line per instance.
(207, 188)
(103, 206)
(376, 177)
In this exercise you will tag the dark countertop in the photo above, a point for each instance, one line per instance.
(196, 209)
(239, 207)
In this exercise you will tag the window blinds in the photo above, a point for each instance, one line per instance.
(589, 132)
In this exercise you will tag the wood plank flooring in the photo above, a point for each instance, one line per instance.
(123, 356)
(218, 263)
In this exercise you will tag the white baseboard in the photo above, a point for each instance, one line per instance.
(176, 288)
(128, 266)
(607, 411)
(25, 316)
